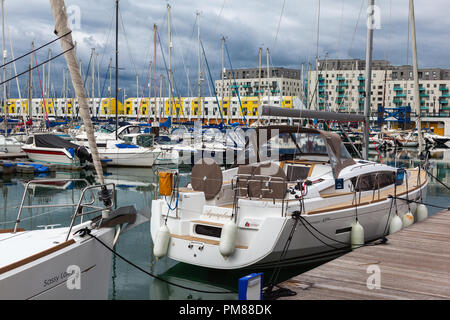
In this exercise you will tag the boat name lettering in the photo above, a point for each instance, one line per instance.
(53, 280)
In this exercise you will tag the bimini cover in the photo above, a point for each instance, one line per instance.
(339, 156)
(52, 141)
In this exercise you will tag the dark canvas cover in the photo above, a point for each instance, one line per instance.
(52, 141)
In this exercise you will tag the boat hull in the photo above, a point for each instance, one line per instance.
(123, 157)
(48, 277)
(263, 246)
(48, 155)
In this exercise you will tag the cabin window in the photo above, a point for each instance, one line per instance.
(209, 231)
(373, 181)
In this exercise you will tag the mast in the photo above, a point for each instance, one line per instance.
(155, 28)
(30, 84)
(110, 87)
(268, 74)
(259, 84)
(199, 83)
(170, 60)
(93, 82)
(369, 47)
(5, 102)
(61, 28)
(416, 74)
(117, 67)
(223, 76)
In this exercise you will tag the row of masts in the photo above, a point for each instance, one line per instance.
(47, 84)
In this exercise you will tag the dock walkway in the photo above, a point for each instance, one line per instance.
(413, 264)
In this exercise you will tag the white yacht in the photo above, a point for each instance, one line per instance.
(291, 208)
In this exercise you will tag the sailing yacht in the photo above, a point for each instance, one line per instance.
(120, 152)
(66, 262)
(295, 203)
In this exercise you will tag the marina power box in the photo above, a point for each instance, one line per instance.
(250, 287)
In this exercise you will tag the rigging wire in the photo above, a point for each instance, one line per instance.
(356, 28)
(279, 23)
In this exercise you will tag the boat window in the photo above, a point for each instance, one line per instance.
(30, 140)
(294, 143)
(374, 181)
(208, 230)
(297, 172)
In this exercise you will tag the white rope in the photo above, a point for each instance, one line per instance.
(61, 28)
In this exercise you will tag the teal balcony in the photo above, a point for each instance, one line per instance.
(246, 86)
(320, 78)
(234, 86)
(445, 95)
(421, 89)
(397, 101)
(343, 84)
(342, 96)
(343, 108)
(423, 108)
(361, 78)
(339, 101)
(321, 96)
(443, 88)
(340, 89)
(321, 90)
(398, 89)
(361, 89)
(424, 95)
(400, 95)
(340, 78)
(443, 101)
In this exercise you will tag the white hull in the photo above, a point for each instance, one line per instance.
(49, 155)
(129, 157)
(46, 277)
(262, 246)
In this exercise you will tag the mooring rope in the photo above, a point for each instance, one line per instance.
(87, 231)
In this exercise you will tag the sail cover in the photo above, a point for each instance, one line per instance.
(52, 141)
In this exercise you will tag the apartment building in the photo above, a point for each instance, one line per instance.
(274, 82)
(339, 85)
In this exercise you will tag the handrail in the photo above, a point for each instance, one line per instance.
(22, 206)
(247, 178)
(80, 206)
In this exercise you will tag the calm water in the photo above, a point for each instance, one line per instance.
(137, 187)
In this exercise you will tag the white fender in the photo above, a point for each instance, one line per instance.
(395, 224)
(228, 238)
(421, 212)
(162, 240)
(407, 219)
(357, 235)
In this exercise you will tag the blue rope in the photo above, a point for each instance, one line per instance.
(176, 202)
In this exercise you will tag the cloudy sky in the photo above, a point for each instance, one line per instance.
(289, 28)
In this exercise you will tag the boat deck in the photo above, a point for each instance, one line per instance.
(413, 184)
(47, 240)
(413, 265)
